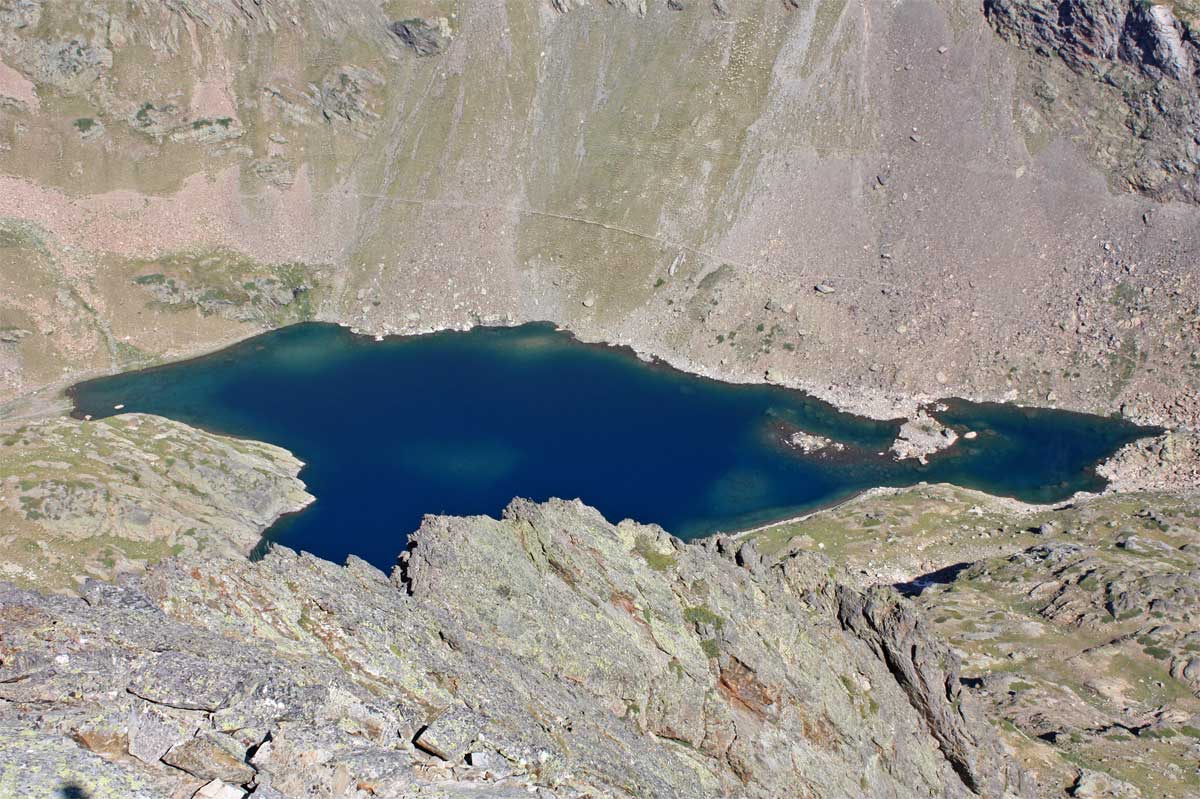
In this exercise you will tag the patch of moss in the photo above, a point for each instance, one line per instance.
(127, 354)
(700, 614)
(223, 122)
(654, 559)
(229, 284)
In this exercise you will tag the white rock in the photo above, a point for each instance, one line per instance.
(807, 442)
(219, 790)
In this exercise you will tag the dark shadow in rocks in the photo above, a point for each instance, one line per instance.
(73, 790)
(940, 577)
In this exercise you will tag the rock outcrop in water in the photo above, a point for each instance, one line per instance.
(922, 436)
(547, 652)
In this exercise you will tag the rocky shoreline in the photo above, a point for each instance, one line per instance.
(921, 435)
(147, 218)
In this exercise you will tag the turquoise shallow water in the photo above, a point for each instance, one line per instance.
(461, 423)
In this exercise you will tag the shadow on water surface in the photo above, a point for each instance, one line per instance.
(462, 422)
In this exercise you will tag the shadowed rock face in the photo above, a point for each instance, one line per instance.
(1145, 54)
(423, 36)
(928, 672)
(549, 648)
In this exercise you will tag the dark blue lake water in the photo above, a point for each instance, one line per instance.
(461, 423)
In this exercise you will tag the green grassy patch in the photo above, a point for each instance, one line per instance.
(702, 615)
(654, 559)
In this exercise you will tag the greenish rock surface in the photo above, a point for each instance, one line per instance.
(41, 766)
(543, 643)
(101, 497)
(1076, 624)
(212, 756)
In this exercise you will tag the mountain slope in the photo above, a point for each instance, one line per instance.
(179, 175)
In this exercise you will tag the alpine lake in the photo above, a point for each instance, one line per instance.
(461, 422)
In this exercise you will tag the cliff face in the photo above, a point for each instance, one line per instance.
(680, 176)
(1142, 60)
(548, 652)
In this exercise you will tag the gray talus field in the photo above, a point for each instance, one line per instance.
(680, 176)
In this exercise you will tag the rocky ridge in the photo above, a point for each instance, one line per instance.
(664, 669)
